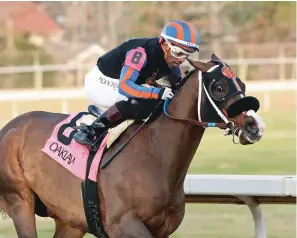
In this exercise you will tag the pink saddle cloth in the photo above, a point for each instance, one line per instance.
(71, 155)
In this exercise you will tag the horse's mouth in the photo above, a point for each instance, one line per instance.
(252, 127)
(252, 132)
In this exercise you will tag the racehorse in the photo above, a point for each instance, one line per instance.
(141, 191)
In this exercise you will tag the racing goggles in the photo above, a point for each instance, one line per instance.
(178, 52)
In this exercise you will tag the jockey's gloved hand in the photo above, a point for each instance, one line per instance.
(166, 93)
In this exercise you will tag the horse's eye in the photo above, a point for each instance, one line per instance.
(219, 88)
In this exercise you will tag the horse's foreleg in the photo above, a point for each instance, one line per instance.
(65, 231)
(21, 211)
(129, 227)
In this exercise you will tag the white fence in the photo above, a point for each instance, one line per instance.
(73, 66)
(251, 190)
(63, 95)
(80, 69)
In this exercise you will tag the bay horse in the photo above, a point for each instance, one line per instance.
(141, 192)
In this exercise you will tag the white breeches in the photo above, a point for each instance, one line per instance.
(102, 90)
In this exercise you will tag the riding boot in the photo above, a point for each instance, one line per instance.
(108, 119)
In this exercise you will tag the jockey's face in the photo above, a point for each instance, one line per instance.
(171, 61)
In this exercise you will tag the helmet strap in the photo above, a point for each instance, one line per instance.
(166, 52)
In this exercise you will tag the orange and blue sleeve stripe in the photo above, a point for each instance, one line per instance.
(129, 88)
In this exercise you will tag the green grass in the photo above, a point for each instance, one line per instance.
(275, 154)
(233, 221)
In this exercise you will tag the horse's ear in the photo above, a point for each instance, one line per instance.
(199, 65)
(215, 58)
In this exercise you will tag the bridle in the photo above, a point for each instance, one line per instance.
(228, 126)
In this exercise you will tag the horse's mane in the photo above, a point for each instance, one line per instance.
(189, 74)
(184, 79)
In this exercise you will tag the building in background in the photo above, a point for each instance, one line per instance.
(26, 18)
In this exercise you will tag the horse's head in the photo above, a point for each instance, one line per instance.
(221, 98)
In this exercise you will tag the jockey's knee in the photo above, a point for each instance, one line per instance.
(137, 109)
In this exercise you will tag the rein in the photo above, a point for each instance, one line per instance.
(229, 127)
(222, 125)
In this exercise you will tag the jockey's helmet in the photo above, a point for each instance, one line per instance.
(182, 34)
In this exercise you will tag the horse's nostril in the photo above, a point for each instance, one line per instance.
(252, 128)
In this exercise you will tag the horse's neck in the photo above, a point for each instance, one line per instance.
(177, 142)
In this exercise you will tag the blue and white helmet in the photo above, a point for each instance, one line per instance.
(183, 34)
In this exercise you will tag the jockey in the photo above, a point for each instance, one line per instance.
(117, 81)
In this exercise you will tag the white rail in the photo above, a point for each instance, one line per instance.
(54, 94)
(65, 95)
(73, 66)
(251, 190)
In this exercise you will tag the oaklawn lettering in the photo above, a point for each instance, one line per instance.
(62, 153)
